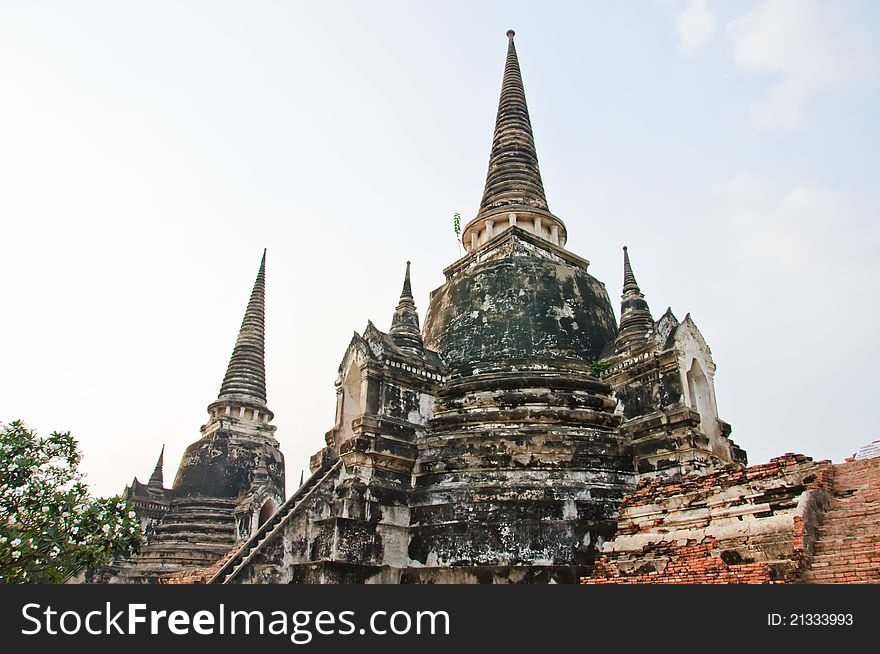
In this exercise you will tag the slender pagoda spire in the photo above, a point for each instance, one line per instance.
(156, 478)
(629, 277)
(245, 379)
(405, 330)
(514, 192)
(514, 178)
(636, 322)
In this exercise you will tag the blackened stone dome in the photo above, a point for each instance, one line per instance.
(223, 464)
(520, 298)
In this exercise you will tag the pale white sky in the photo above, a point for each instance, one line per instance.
(150, 150)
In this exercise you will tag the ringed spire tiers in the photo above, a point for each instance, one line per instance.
(636, 322)
(156, 478)
(629, 277)
(405, 330)
(245, 379)
(514, 192)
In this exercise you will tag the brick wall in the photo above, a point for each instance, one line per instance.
(750, 525)
(848, 545)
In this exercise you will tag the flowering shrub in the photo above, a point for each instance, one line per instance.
(50, 527)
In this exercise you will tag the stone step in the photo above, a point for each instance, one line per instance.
(856, 527)
(177, 562)
(203, 506)
(866, 511)
(850, 485)
(842, 571)
(857, 561)
(842, 559)
(869, 523)
(855, 505)
(856, 475)
(856, 497)
(190, 536)
(841, 579)
(833, 552)
(190, 540)
(833, 539)
(832, 558)
(866, 570)
(848, 539)
(201, 557)
(199, 514)
(185, 547)
(166, 567)
(196, 527)
(870, 520)
(862, 486)
(854, 502)
(855, 478)
(178, 557)
(845, 531)
(863, 564)
(844, 489)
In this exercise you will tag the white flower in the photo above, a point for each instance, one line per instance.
(131, 514)
(16, 542)
(106, 529)
(16, 554)
(45, 509)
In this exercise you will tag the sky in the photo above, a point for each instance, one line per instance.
(149, 151)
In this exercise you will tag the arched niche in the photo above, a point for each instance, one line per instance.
(701, 398)
(266, 511)
(352, 400)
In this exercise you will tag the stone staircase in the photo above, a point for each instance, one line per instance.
(194, 534)
(272, 526)
(848, 546)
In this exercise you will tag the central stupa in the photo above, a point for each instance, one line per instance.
(497, 443)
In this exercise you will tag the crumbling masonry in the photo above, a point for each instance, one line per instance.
(499, 443)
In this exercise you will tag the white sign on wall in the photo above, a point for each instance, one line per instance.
(868, 451)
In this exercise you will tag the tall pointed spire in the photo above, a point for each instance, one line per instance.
(629, 278)
(514, 192)
(156, 478)
(407, 286)
(514, 178)
(636, 322)
(405, 330)
(245, 379)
